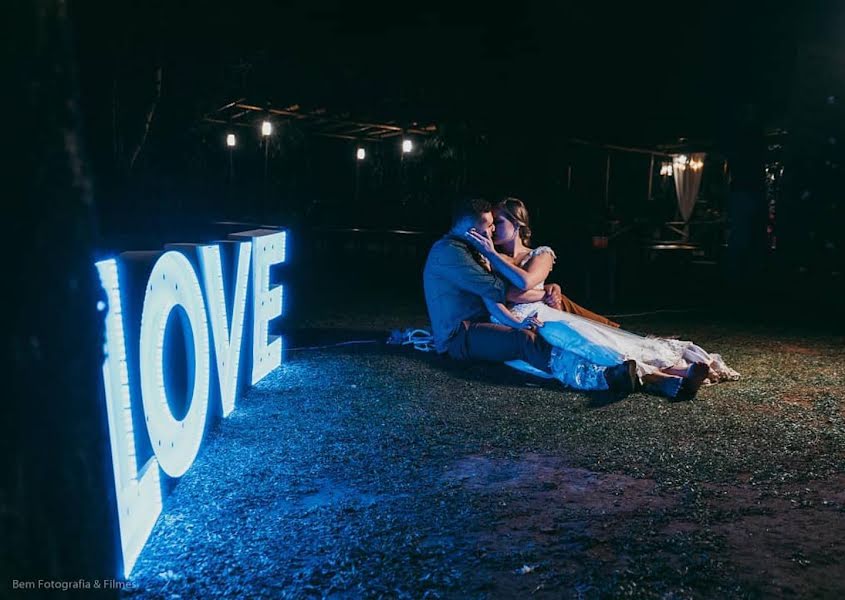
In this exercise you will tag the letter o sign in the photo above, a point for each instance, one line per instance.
(173, 283)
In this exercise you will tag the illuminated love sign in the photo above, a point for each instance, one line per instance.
(220, 297)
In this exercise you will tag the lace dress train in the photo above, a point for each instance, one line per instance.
(606, 346)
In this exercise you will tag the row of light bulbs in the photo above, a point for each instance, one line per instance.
(682, 162)
(360, 152)
(666, 169)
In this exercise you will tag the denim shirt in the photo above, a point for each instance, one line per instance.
(455, 283)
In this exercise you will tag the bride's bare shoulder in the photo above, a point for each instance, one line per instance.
(543, 250)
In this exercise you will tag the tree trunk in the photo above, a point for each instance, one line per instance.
(55, 505)
(147, 120)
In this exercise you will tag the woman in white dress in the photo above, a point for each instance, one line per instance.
(669, 367)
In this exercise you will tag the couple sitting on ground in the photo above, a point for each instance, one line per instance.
(487, 298)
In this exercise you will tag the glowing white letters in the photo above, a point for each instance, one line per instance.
(137, 492)
(268, 249)
(227, 339)
(174, 287)
(172, 284)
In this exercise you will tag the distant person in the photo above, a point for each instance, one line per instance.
(461, 290)
(668, 367)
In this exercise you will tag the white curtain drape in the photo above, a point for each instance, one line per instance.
(687, 182)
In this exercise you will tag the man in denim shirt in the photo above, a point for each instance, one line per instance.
(456, 283)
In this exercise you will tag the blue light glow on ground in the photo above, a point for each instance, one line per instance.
(368, 471)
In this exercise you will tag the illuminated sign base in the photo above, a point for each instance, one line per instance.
(161, 387)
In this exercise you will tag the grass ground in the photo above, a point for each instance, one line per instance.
(367, 470)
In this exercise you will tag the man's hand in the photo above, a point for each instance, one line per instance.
(553, 296)
(485, 262)
(531, 322)
(480, 242)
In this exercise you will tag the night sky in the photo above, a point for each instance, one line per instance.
(624, 72)
(512, 84)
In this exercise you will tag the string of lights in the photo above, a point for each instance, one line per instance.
(407, 145)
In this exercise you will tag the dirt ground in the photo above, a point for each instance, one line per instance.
(371, 471)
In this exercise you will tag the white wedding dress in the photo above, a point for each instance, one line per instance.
(607, 346)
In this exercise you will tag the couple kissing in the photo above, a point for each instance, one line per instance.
(487, 297)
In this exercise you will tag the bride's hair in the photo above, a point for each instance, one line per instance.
(515, 211)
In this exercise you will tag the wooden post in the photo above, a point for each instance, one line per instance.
(357, 175)
(650, 177)
(265, 193)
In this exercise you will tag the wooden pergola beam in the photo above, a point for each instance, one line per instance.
(619, 148)
(319, 114)
(229, 105)
(328, 134)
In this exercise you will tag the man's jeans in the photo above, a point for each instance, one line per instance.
(499, 343)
